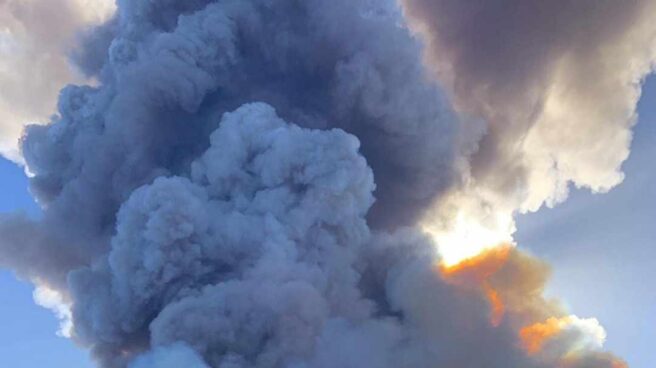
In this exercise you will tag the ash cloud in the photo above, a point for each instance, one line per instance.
(555, 82)
(173, 356)
(243, 188)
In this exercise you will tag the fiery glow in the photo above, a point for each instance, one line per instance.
(481, 266)
(476, 271)
(590, 336)
(498, 308)
(470, 234)
(534, 337)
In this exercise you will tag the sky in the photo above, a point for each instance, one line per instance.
(28, 335)
(212, 201)
(600, 246)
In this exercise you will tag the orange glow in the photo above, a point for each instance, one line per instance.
(480, 267)
(474, 273)
(536, 335)
(604, 359)
(498, 309)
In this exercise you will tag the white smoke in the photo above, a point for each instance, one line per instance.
(36, 38)
(53, 300)
(556, 84)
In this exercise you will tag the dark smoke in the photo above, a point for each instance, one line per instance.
(241, 188)
(166, 86)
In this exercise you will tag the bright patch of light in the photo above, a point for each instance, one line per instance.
(469, 235)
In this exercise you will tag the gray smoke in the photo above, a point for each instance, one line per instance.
(241, 190)
(556, 82)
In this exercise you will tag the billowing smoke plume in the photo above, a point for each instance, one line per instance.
(35, 36)
(556, 83)
(247, 187)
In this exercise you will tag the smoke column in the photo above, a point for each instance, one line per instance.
(313, 184)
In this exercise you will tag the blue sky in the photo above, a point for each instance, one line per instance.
(601, 248)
